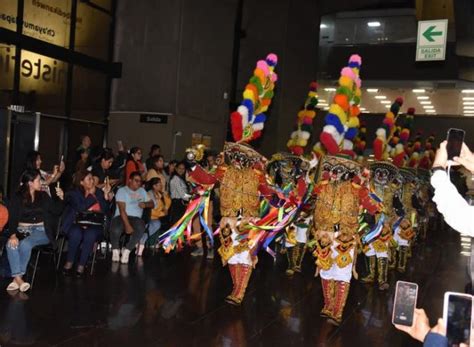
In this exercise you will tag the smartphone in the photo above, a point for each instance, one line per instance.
(455, 140)
(457, 312)
(404, 304)
(62, 158)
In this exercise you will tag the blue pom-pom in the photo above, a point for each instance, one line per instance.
(354, 64)
(395, 108)
(332, 119)
(271, 62)
(351, 133)
(260, 118)
(249, 104)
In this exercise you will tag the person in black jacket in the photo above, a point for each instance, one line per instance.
(85, 197)
(31, 214)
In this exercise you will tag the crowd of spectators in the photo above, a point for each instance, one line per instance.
(106, 196)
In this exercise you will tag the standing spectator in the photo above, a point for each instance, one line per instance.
(134, 163)
(179, 192)
(85, 145)
(162, 203)
(31, 211)
(157, 169)
(3, 217)
(171, 168)
(33, 162)
(84, 162)
(102, 169)
(131, 200)
(154, 151)
(85, 197)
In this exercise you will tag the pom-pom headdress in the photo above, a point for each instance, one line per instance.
(299, 137)
(342, 119)
(248, 121)
(385, 133)
(399, 152)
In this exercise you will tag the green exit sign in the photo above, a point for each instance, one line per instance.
(431, 40)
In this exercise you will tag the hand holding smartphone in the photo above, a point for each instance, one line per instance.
(406, 294)
(455, 140)
(457, 312)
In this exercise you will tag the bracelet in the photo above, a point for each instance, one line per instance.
(437, 168)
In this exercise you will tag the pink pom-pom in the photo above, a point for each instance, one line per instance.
(411, 111)
(272, 57)
(356, 59)
(307, 120)
(262, 65)
(274, 77)
(347, 72)
(358, 82)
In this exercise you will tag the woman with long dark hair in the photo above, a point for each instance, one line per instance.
(31, 214)
(84, 206)
(179, 192)
(134, 163)
(34, 162)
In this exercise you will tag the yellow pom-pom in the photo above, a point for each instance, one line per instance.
(312, 94)
(248, 94)
(338, 111)
(345, 81)
(358, 92)
(353, 122)
(390, 115)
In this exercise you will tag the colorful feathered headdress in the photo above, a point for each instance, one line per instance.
(385, 133)
(342, 119)
(299, 137)
(248, 121)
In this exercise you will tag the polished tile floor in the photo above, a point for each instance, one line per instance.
(177, 300)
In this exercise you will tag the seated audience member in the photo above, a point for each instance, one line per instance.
(3, 217)
(33, 162)
(83, 163)
(162, 203)
(81, 227)
(134, 163)
(31, 212)
(171, 167)
(179, 192)
(131, 200)
(154, 151)
(85, 145)
(157, 169)
(456, 211)
(102, 169)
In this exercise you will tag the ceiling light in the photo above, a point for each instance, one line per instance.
(326, 108)
(468, 98)
(385, 102)
(387, 106)
(418, 91)
(425, 102)
(430, 111)
(468, 103)
(468, 111)
(374, 24)
(323, 26)
(321, 100)
(372, 90)
(380, 97)
(362, 108)
(469, 107)
(468, 91)
(422, 97)
(466, 254)
(428, 106)
(329, 89)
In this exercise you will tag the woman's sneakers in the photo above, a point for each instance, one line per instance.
(125, 256)
(116, 255)
(123, 259)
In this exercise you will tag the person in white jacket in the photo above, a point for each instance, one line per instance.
(456, 211)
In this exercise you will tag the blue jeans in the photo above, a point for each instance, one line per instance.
(19, 257)
(87, 237)
(153, 227)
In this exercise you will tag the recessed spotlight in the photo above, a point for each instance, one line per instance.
(374, 24)
(468, 103)
(425, 102)
(428, 106)
(329, 89)
(362, 108)
(385, 102)
(326, 108)
(468, 91)
(423, 97)
(381, 97)
(468, 98)
(418, 91)
(323, 26)
(372, 90)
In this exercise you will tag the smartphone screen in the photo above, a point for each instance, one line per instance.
(458, 321)
(404, 303)
(455, 140)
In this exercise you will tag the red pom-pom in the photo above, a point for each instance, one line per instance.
(313, 86)
(378, 149)
(236, 124)
(411, 111)
(297, 150)
(256, 134)
(328, 141)
(398, 159)
(399, 100)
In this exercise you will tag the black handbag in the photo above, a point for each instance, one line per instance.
(89, 218)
